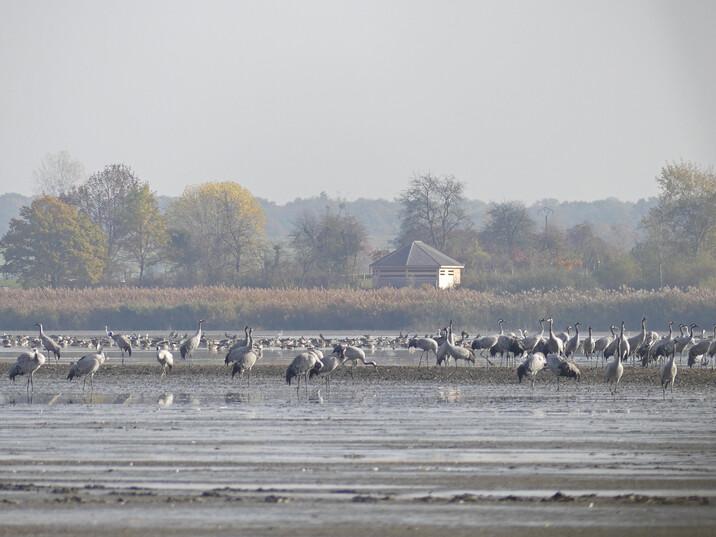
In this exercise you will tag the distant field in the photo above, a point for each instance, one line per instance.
(310, 309)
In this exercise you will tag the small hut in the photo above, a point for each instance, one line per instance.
(414, 265)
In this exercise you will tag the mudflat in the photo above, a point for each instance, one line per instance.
(395, 450)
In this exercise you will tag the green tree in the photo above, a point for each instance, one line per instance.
(217, 232)
(52, 243)
(146, 230)
(509, 234)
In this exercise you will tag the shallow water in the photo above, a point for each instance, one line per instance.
(405, 441)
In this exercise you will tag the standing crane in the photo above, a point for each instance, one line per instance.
(49, 343)
(426, 345)
(563, 368)
(164, 357)
(668, 374)
(615, 369)
(245, 362)
(237, 351)
(570, 348)
(302, 365)
(26, 364)
(327, 365)
(458, 352)
(589, 344)
(123, 342)
(192, 343)
(349, 353)
(701, 348)
(534, 363)
(87, 365)
(638, 340)
(554, 344)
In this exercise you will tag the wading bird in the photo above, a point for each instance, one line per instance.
(349, 353)
(668, 374)
(192, 343)
(87, 365)
(245, 362)
(26, 364)
(615, 369)
(426, 345)
(534, 363)
(563, 368)
(301, 366)
(122, 342)
(165, 357)
(49, 343)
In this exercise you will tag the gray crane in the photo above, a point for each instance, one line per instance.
(562, 368)
(570, 348)
(349, 353)
(245, 362)
(50, 344)
(191, 344)
(164, 357)
(615, 369)
(426, 345)
(87, 366)
(700, 349)
(238, 350)
(327, 366)
(589, 344)
(533, 364)
(554, 344)
(301, 366)
(123, 342)
(26, 364)
(668, 374)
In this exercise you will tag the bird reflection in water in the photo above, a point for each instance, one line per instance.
(449, 395)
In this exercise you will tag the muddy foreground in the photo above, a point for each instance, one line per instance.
(395, 451)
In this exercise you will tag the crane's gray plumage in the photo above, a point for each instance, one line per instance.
(50, 344)
(123, 342)
(26, 364)
(352, 354)
(87, 366)
(426, 345)
(668, 374)
(533, 364)
(165, 358)
(570, 348)
(615, 369)
(301, 366)
(562, 368)
(245, 362)
(554, 345)
(192, 343)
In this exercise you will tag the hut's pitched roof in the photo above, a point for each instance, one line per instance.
(416, 254)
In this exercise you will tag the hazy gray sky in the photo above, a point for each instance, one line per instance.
(521, 100)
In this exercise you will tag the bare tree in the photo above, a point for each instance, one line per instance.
(57, 174)
(432, 209)
(105, 198)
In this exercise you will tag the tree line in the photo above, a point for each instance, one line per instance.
(107, 229)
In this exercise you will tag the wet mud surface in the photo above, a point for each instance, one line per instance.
(393, 451)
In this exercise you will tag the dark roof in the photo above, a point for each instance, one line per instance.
(416, 254)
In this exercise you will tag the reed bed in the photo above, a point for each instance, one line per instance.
(133, 308)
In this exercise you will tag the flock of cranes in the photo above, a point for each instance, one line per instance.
(545, 350)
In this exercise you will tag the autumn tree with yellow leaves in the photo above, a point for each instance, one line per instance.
(216, 232)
